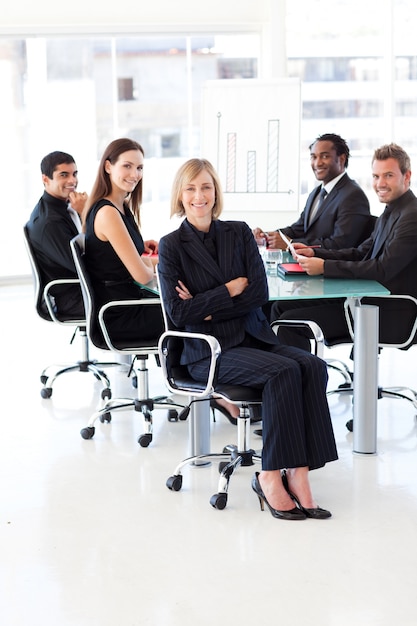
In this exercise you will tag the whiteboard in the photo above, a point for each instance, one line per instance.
(251, 134)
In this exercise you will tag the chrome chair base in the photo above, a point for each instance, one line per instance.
(232, 457)
(142, 404)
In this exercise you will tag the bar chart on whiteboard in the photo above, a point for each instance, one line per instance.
(272, 160)
(251, 134)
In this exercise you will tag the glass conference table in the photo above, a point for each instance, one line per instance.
(366, 325)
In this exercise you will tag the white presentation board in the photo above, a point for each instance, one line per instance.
(251, 134)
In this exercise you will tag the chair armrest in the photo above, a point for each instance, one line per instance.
(114, 304)
(316, 332)
(189, 387)
(349, 315)
(49, 299)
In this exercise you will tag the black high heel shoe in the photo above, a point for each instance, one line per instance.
(317, 513)
(215, 405)
(233, 420)
(292, 514)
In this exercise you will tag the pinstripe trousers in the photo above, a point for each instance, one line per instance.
(296, 423)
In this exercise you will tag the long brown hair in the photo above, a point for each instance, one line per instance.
(102, 185)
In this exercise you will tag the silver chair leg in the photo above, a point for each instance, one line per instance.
(141, 404)
(232, 457)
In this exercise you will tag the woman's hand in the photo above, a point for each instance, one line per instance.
(182, 291)
(236, 286)
(151, 246)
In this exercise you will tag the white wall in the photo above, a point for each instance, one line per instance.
(132, 15)
(95, 16)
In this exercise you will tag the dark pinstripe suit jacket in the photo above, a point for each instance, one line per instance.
(183, 256)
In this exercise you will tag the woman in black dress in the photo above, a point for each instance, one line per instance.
(115, 249)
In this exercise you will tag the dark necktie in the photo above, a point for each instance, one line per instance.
(380, 233)
(313, 212)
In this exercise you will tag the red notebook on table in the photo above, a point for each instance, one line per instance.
(290, 269)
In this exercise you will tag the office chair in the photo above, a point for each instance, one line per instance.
(139, 349)
(179, 381)
(44, 305)
(407, 339)
(314, 331)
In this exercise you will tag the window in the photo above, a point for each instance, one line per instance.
(77, 94)
(125, 89)
(237, 68)
(359, 78)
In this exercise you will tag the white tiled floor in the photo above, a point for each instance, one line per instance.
(90, 535)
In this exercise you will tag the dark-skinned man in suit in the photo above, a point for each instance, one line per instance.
(339, 220)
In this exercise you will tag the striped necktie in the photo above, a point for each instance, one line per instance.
(313, 212)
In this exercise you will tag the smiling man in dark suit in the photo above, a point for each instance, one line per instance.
(388, 256)
(53, 223)
(336, 214)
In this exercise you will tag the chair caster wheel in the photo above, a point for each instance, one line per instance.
(46, 392)
(145, 440)
(219, 501)
(349, 426)
(105, 417)
(172, 415)
(106, 394)
(174, 482)
(88, 433)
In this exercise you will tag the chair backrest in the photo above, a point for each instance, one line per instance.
(77, 245)
(173, 345)
(97, 329)
(44, 300)
(40, 303)
(169, 325)
(400, 316)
